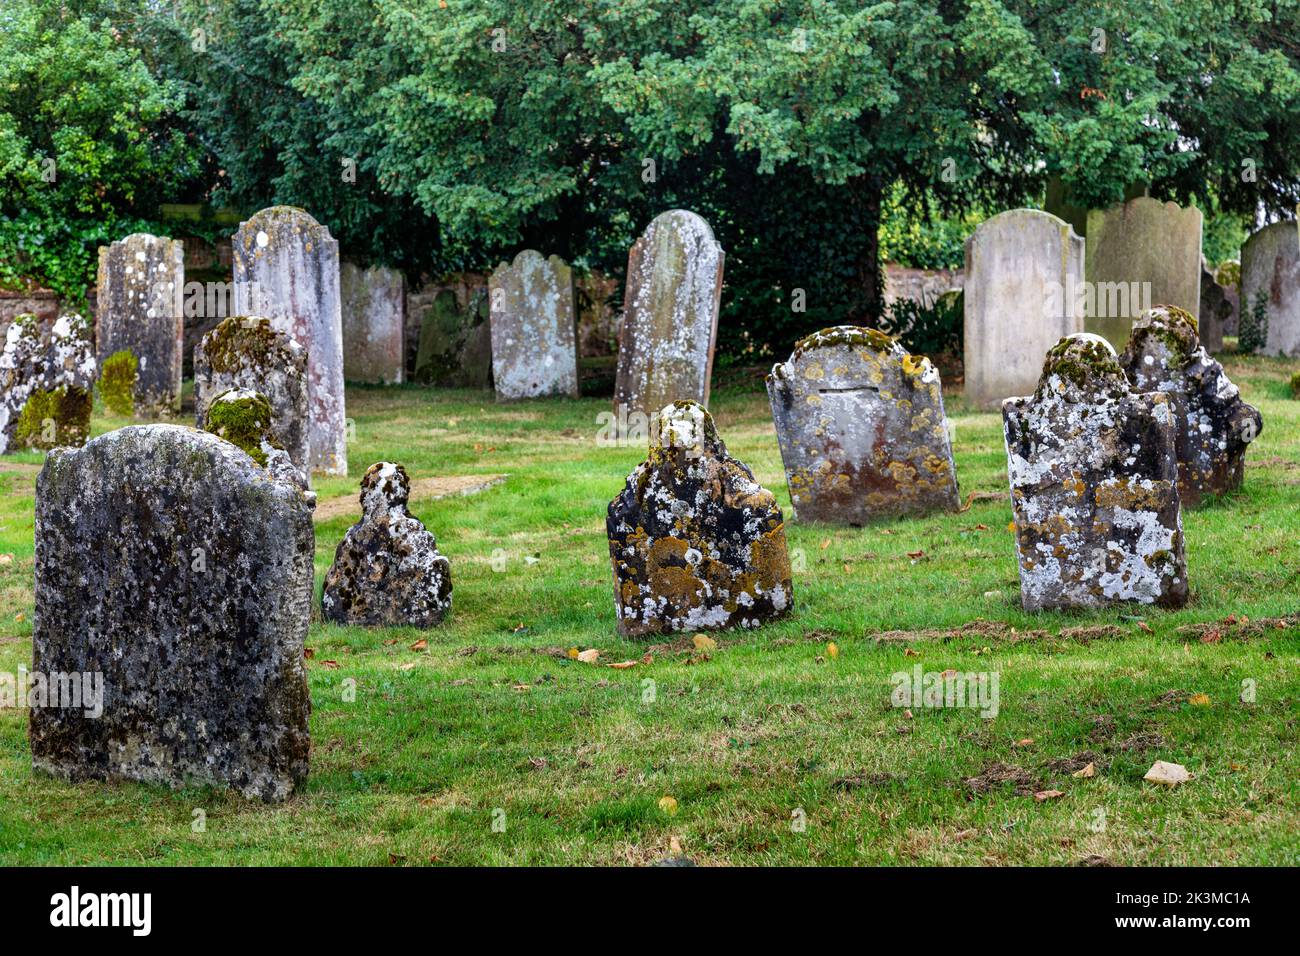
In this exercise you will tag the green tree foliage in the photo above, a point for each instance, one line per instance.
(88, 142)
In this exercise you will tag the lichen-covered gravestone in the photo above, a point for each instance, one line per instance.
(374, 324)
(696, 542)
(247, 351)
(670, 316)
(139, 310)
(1140, 253)
(455, 347)
(173, 565)
(1214, 425)
(387, 570)
(534, 347)
(286, 267)
(1023, 270)
(1270, 283)
(1094, 485)
(46, 383)
(862, 429)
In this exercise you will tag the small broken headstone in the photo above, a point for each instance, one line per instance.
(249, 352)
(139, 310)
(1094, 485)
(862, 429)
(534, 344)
(387, 570)
(243, 418)
(46, 383)
(1214, 425)
(176, 573)
(695, 541)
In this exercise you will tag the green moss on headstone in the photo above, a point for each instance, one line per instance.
(242, 418)
(117, 380)
(1295, 385)
(59, 416)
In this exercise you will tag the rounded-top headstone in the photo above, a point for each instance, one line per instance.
(534, 339)
(1270, 286)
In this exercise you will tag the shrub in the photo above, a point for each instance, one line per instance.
(117, 383)
(932, 328)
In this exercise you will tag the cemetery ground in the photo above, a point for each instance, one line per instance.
(489, 719)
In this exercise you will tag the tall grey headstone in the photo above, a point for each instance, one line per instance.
(534, 344)
(374, 324)
(670, 316)
(176, 572)
(1141, 253)
(139, 309)
(1023, 292)
(286, 267)
(1270, 274)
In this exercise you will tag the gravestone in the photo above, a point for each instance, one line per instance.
(47, 381)
(139, 310)
(1024, 288)
(1094, 485)
(1213, 424)
(1270, 276)
(1218, 306)
(455, 347)
(1140, 253)
(286, 267)
(179, 571)
(670, 316)
(862, 429)
(374, 316)
(696, 543)
(249, 352)
(534, 348)
(387, 570)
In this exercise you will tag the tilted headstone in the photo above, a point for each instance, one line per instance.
(1023, 292)
(286, 267)
(862, 429)
(1141, 253)
(139, 310)
(248, 351)
(1214, 425)
(1270, 277)
(670, 316)
(374, 320)
(47, 383)
(1094, 485)
(387, 570)
(696, 542)
(534, 347)
(179, 571)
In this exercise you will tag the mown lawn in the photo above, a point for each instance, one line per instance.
(494, 721)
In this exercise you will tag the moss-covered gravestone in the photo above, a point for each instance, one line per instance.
(1214, 425)
(670, 316)
(174, 567)
(286, 267)
(534, 342)
(387, 570)
(455, 347)
(696, 542)
(248, 352)
(46, 383)
(1094, 485)
(862, 429)
(139, 310)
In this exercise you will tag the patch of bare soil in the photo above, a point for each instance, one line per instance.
(998, 775)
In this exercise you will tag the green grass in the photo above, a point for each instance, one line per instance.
(495, 715)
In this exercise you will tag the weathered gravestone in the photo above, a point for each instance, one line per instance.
(247, 351)
(243, 417)
(374, 319)
(1218, 310)
(862, 429)
(1140, 253)
(455, 347)
(1094, 485)
(1213, 424)
(46, 383)
(179, 570)
(534, 348)
(286, 267)
(387, 570)
(670, 316)
(139, 310)
(696, 543)
(1270, 284)
(1024, 282)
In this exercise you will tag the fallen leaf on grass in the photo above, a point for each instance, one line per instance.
(832, 651)
(420, 645)
(668, 805)
(308, 653)
(1025, 742)
(589, 656)
(330, 665)
(1088, 771)
(1042, 795)
(1199, 700)
(703, 643)
(1167, 774)
(622, 665)
(6, 559)
(521, 687)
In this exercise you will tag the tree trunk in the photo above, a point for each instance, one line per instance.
(866, 191)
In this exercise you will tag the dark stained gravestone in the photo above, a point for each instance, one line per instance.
(862, 429)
